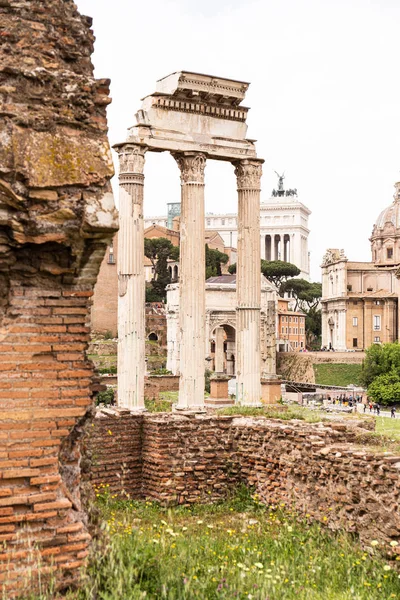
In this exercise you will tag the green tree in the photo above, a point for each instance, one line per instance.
(306, 294)
(385, 388)
(380, 360)
(313, 327)
(276, 271)
(214, 260)
(159, 251)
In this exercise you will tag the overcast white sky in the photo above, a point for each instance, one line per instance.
(324, 97)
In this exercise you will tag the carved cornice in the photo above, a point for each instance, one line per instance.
(197, 107)
(131, 159)
(248, 174)
(192, 167)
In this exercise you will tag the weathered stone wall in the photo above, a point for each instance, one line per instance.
(56, 217)
(295, 366)
(320, 469)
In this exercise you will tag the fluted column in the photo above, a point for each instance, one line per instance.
(248, 283)
(192, 281)
(131, 282)
(219, 350)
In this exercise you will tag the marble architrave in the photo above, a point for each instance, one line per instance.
(195, 112)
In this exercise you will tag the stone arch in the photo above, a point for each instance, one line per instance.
(152, 337)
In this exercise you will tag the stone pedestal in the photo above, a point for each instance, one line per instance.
(131, 282)
(248, 283)
(219, 395)
(270, 390)
(192, 300)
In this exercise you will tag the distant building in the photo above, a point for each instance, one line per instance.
(221, 325)
(105, 299)
(283, 229)
(360, 303)
(291, 328)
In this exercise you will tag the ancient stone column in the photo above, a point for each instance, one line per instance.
(219, 350)
(131, 282)
(192, 281)
(248, 283)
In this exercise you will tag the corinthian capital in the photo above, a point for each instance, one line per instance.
(131, 159)
(192, 165)
(248, 174)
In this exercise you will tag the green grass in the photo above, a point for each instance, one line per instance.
(237, 549)
(276, 412)
(389, 428)
(337, 374)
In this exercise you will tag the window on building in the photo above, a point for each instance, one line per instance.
(370, 289)
(222, 221)
(377, 302)
(290, 330)
(349, 288)
(377, 339)
(286, 329)
(208, 222)
(355, 302)
(296, 344)
(389, 252)
(301, 344)
(355, 342)
(111, 258)
(290, 319)
(355, 321)
(283, 330)
(377, 322)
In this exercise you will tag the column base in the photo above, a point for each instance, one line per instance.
(218, 402)
(271, 389)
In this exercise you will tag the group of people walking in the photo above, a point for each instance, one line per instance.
(374, 406)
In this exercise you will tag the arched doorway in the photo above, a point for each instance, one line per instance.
(223, 349)
(153, 337)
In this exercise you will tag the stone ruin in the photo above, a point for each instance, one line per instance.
(57, 216)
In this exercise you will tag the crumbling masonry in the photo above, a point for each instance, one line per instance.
(57, 216)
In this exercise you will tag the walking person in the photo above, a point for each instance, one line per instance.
(378, 409)
(393, 412)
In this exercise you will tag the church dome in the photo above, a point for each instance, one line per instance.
(385, 238)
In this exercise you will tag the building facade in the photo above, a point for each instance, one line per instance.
(291, 328)
(283, 230)
(360, 299)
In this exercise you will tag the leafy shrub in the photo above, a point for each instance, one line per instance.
(108, 335)
(106, 397)
(207, 384)
(161, 371)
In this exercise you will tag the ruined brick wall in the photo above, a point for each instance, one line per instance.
(112, 448)
(56, 217)
(320, 469)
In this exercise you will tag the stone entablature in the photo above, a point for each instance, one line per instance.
(195, 112)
